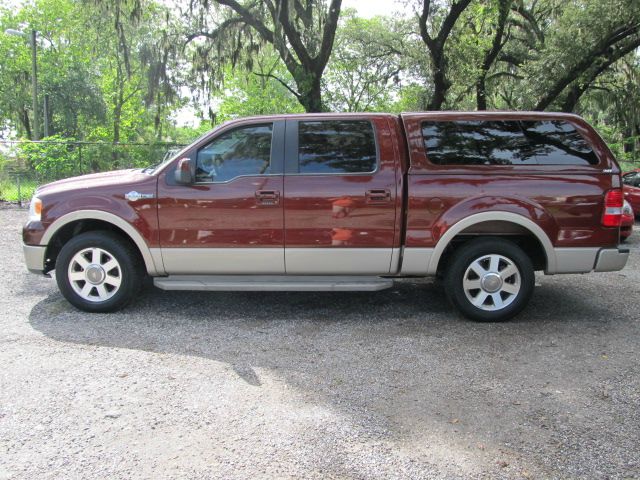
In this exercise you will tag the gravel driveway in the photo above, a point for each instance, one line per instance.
(392, 384)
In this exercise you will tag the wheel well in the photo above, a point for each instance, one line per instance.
(72, 229)
(513, 232)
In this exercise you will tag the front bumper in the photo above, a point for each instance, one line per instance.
(611, 259)
(34, 256)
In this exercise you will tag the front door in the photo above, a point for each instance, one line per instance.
(341, 196)
(230, 220)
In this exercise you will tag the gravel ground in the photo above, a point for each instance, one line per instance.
(393, 384)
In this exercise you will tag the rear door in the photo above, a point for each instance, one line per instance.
(340, 195)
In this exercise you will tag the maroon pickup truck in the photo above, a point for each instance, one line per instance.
(343, 202)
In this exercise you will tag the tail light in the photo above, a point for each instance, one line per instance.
(612, 215)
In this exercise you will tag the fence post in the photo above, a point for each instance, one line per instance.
(19, 193)
(80, 158)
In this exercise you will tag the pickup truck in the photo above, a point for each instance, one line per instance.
(341, 202)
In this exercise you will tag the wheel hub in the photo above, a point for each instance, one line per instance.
(95, 274)
(491, 282)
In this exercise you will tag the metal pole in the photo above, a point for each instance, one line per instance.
(34, 86)
(46, 115)
(19, 193)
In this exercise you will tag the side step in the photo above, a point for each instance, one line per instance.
(272, 283)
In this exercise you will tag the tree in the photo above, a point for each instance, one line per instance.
(256, 92)
(436, 43)
(364, 71)
(570, 44)
(65, 75)
(301, 31)
(491, 54)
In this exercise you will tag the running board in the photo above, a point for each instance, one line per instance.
(272, 283)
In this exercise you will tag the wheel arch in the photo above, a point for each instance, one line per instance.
(153, 263)
(515, 219)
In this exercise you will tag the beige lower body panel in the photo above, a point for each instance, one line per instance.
(224, 261)
(611, 259)
(346, 261)
(589, 259)
(415, 261)
(274, 261)
(338, 261)
(575, 260)
(34, 256)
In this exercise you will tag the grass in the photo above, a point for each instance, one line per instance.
(9, 191)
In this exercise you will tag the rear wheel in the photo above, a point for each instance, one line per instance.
(98, 272)
(490, 279)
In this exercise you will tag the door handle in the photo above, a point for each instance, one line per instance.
(376, 196)
(268, 197)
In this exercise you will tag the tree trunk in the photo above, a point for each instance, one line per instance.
(117, 114)
(481, 92)
(436, 47)
(24, 119)
(440, 83)
(309, 91)
(491, 55)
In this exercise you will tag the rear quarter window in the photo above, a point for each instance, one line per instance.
(506, 142)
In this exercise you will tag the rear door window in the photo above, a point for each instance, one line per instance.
(506, 142)
(336, 146)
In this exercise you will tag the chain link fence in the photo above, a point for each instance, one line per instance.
(24, 165)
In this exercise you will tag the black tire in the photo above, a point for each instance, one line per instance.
(129, 270)
(482, 248)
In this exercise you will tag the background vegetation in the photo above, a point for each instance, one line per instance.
(123, 71)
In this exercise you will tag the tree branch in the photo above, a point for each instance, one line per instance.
(579, 88)
(328, 35)
(282, 82)
(249, 18)
(217, 32)
(451, 19)
(424, 30)
(586, 62)
(293, 35)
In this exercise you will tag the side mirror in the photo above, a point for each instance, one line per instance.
(183, 173)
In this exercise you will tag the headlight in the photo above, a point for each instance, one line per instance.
(35, 210)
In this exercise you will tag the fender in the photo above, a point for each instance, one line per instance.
(493, 215)
(151, 257)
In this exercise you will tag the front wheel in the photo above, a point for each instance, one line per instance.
(98, 272)
(490, 279)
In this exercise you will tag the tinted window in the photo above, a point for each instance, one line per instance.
(336, 146)
(632, 179)
(548, 142)
(243, 151)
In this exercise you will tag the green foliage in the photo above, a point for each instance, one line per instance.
(120, 71)
(260, 91)
(52, 158)
(353, 85)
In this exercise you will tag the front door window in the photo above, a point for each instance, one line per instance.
(241, 152)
